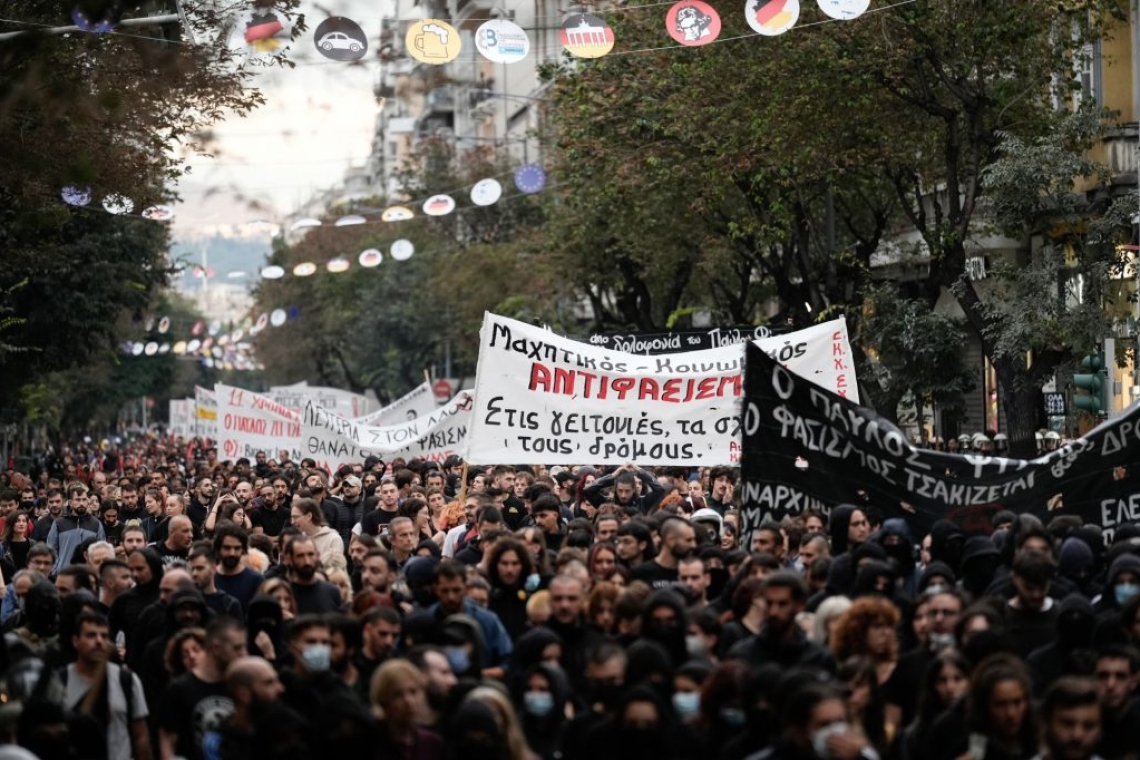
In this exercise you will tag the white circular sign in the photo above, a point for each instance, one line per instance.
(339, 264)
(305, 269)
(215, 327)
(193, 346)
(137, 349)
(371, 258)
(350, 220)
(118, 204)
(844, 10)
(278, 317)
(402, 249)
(502, 41)
(151, 348)
(486, 192)
(273, 272)
(771, 17)
(439, 205)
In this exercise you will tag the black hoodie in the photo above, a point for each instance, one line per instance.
(1073, 652)
(128, 607)
(1125, 563)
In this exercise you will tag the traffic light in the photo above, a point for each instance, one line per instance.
(1094, 381)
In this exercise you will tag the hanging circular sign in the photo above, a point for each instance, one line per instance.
(340, 39)
(844, 10)
(300, 224)
(74, 196)
(164, 325)
(502, 41)
(273, 272)
(118, 204)
(262, 321)
(138, 348)
(370, 258)
(261, 31)
(486, 192)
(304, 269)
(350, 220)
(771, 17)
(277, 318)
(164, 349)
(586, 36)
(402, 250)
(151, 348)
(160, 213)
(337, 265)
(397, 214)
(193, 346)
(693, 23)
(180, 347)
(198, 327)
(530, 178)
(433, 41)
(215, 327)
(439, 205)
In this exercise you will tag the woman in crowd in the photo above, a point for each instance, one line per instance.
(943, 685)
(14, 544)
(868, 629)
(509, 569)
(279, 589)
(308, 517)
(399, 701)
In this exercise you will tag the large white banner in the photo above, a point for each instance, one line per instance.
(249, 422)
(333, 440)
(205, 413)
(412, 405)
(542, 398)
(342, 402)
(181, 418)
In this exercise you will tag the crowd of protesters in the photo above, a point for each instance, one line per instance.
(159, 602)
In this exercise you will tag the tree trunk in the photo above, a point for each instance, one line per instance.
(1020, 398)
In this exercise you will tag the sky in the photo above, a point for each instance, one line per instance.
(318, 120)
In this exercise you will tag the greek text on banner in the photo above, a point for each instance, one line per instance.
(540, 397)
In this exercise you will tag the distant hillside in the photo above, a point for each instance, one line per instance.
(223, 254)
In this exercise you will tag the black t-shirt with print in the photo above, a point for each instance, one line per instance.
(189, 708)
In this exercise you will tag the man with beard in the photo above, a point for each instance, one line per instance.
(380, 630)
(441, 679)
(198, 506)
(345, 645)
(781, 641)
(231, 543)
(203, 569)
(260, 723)
(349, 509)
(313, 596)
(129, 506)
(1117, 673)
(69, 531)
(624, 480)
(271, 518)
(1070, 720)
(678, 541)
(54, 499)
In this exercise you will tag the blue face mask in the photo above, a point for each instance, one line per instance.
(532, 582)
(317, 657)
(687, 703)
(733, 717)
(1125, 592)
(458, 659)
(538, 703)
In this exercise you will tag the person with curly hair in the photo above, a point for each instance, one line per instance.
(869, 629)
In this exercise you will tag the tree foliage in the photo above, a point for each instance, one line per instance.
(112, 113)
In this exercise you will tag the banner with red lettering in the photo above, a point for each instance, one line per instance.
(541, 398)
(249, 422)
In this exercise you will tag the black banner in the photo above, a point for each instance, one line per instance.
(676, 341)
(804, 446)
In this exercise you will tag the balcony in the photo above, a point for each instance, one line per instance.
(1120, 154)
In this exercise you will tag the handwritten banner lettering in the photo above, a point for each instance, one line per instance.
(542, 398)
(249, 422)
(805, 446)
(333, 440)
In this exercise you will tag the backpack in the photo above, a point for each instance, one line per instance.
(126, 683)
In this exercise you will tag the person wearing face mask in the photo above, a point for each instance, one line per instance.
(678, 541)
(722, 714)
(311, 680)
(639, 730)
(814, 727)
(542, 708)
(1123, 585)
(687, 683)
